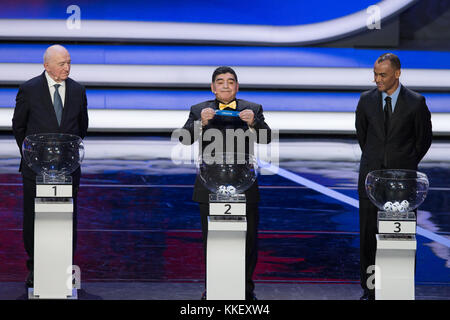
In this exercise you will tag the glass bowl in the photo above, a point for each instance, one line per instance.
(227, 173)
(53, 155)
(396, 190)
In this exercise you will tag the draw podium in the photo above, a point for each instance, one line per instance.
(395, 257)
(227, 176)
(225, 262)
(53, 157)
(53, 234)
(397, 193)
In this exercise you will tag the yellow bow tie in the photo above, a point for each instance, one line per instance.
(231, 105)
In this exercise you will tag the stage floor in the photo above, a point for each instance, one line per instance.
(192, 291)
(139, 232)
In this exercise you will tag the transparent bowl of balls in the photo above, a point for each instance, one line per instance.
(396, 191)
(53, 155)
(227, 174)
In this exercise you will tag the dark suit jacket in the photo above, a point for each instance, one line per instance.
(201, 193)
(408, 138)
(34, 113)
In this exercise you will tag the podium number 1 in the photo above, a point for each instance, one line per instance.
(397, 225)
(54, 188)
(229, 208)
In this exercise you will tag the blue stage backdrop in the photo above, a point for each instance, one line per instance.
(260, 12)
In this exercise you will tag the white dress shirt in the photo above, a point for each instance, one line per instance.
(61, 89)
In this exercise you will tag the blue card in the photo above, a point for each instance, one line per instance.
(228, 113)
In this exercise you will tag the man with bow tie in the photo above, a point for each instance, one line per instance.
(248, 117)
(393, 127)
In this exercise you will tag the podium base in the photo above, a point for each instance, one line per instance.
(225, 258)
(31, 295)
(395, 259)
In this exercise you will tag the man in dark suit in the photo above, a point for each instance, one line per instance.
(48, 103)
(393, 127)
(225, 86)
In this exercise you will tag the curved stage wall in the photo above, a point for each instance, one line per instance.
(138, 84)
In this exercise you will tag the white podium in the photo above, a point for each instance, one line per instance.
(225, 256)
(53, 242)
(395, 256)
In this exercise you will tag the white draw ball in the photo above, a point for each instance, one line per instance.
(405, 205)
(222, 190)
(388, 206)
(231, 189)
(396, 207)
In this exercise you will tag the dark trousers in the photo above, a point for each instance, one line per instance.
(251, 244)
(29, 194)
(368, 243)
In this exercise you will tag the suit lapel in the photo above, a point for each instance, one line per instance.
(66, 107)
(379, 115)
(211, 104)
(399, 109)
(47, 101)
(240, 105)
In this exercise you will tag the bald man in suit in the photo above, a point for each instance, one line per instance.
(48, 103)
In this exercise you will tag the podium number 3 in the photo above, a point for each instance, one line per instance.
(397, 225)
(229, 208)
(54, 188)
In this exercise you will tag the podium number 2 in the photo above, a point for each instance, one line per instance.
(54, 188)
(229, 208)
(397, 225)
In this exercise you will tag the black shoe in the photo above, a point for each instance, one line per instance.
(250, 297)
(367, 296)
(29, 282)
